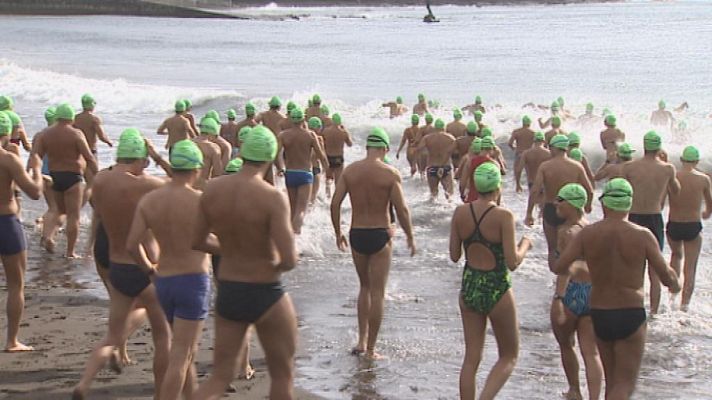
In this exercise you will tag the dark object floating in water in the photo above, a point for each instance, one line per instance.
(430, 17)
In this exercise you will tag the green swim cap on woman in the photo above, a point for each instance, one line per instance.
(259, 145)
(132, 145)
(233, 166)
(250, 109)
(179, 106)
(526, 120)
(5, 124)
(65, 112)
(488, 178)
(576, 154)
(415, 119)
(617, 195)
(472, 128)
(539, 136)
(476, 145)
(428, 118)
(185, 156)
(487, 143)
(6, 103)
(88, 101)
(275, 102)
(661, 104)
(556, 121)
(314, 123)
(324, 109)
(652, 141)
(610, 120)
(244, 131)
(296, 115)
(50, 115)
(478, 115)
(231, 114)
(209, 126)
(439, 124)
(560, 142)
(690, 154)
(336, 118)
(214, 115)
(574, 138)
(574, 194)
(378, 138)
(487, 132)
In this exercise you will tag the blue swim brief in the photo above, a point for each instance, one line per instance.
(184, 296)
(295, 178)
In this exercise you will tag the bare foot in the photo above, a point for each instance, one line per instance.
(48, 245)
(372, 355)
(18, 347)
(249, 374)
(73, 256)
(358, 350)
(77, 394)
(115, 362)
(572, 395)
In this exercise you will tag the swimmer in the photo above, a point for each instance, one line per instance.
(652, 180)
(117, 192)
(90, 125)
(65, 146)
(224, 145)
(287, 122)
(555, 129)
(456, 128)
(335, 138)
(439, 146)
(421, 107)
(486, 234)
(588, 115)
(684, 225)
(189, 115)
(575, 144)
(463, 143)
(573, 303)
(616, 300)
(396, 108)
(18, 135)
(314, 109)
(410, 137)
(182, 280)
(531, 160)
(610, 170)
(372, 186)
(554, 113)
(565, 114)
(421, 153)
(229, 129)
(294, 152)
(662, 117)
(177, 127)
(315, 125)
(521, 140)
(256, 245)
(610, 137)
(468, 192)
(13, 247)
(476, 106)
(480, 124)
(273, 120)
(326, 121)
(212, 162)
(248, 121)
(52, 211)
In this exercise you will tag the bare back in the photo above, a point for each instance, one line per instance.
(557, 172)
(178, 128)
(524, 139)
(369, 184)
(335, 137)
(65, 147)
(89, 124)
(456, 129)
(440, 147)
(694, 190)
(272, 119)
(650, 179)
(532, 159)
(298, 143)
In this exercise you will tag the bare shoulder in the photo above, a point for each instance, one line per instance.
(9, 158)
(152, 181)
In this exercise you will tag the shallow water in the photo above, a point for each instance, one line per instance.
(621, 56)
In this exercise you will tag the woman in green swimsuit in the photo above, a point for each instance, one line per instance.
(486, 233)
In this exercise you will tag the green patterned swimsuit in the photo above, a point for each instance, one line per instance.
(482, 290)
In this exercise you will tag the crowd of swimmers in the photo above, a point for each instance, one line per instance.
(220, 186)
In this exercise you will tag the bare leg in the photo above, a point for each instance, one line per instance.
(605, 349)
(474, 326)
(628, 355)
(676, 259)
(692, 254)
(551, 234)
(315, 188)
(591, 359)
(300, 208)
(563, 323)
(292, 194)
(378, 266)
(506, 330)
(51, 223)
(14, 267)
(245, 370)
(277, 330)
(185, 341)
(161, 334)
(364, 299)
(433, 182)
(73, 204)
(654, 291)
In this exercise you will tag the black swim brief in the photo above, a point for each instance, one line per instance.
(316, 171)
(439, 172)
(128, 279)
(101, 247)
(246, 302)
(64, 180)
(617, 324)
(335, 161)
(369, 241)
(684, 231)
(12, 235)
(654, 223)
(550, 216)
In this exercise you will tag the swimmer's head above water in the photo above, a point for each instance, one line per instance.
(617, 195)
(259, 145)
(488, 178)
(186, 156)
(132, 145)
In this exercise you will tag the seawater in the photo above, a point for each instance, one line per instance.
(623, 56)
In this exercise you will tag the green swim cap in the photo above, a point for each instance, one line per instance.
(5, 124)
(488, 178)
(186, 155)
(439, 124)
(652, 141)
(231, 114)
(259, 145)
(478, 116)
(560, 142)
(556, 121)
(610, 120)
(574, 194)
(472, 128)
(88, 102)
(625, 150)
(576, 154)
(617, 195)
(214, 115)
(526, 120)
(14, 118)
(250, 109)
(560, 100)
(690, 154)
(487, 143)
(399, 100)
(290, 105)
(415, 119)
(131, 145)
(65, 112)
(555, 106)
(6, 103)
(589, 107)
(233, 166)
(539, 136)
(275, 102)
(209, 126)
(606, 112)
(661, 104)
(314, 123)
(457, 114)
(188, 104)
(336, 118)
(324, 109)
(478, 100)
(487, 132)
(316, 99)
(180, 106)
(574, 138)
(476, 145)
(378, 138)
(421, 97)
(49, 115)
(428, 118)
(296, 115)
(244, 131)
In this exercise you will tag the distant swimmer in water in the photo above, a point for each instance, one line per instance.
(617, 311)
(13, 246)
(520, 141)
(397, 108)
(421, 107)
(565, 114)
(335, 138)
(273, 120)
(462, 144)
(314, 109)
(372, 185)
(485, 232)
(573, 315)
(315, 125)
(456, 128)
(662, 117)
(476, 106)
(410, 138)
(588, 115)
(430, 17)
(610, 137)
(440, 146)
(555, 111)
(189, 114)
(555, 129)
(652, 180)
(178, 127)
(614, 169)
(684, 225)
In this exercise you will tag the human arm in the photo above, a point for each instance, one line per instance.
(455, 239)
(707, 194)
(30, 184)
(23, 140)
(101, 134)
(216, 162)
(279, 159)
(583, 180)
(589, 173)
(160, 161)
(572, 251)
(137, 234)
(673, 183)
(512, 138)
(404, 138)
(347, 138)
(657, 263)
(336, 201)
(280, 228)
(318, 146)
(203, 240)
(518, 168)
(602, 172)
(534, 191)
(85, 151)
(403, 213)
(513, 254)
(162, 129)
